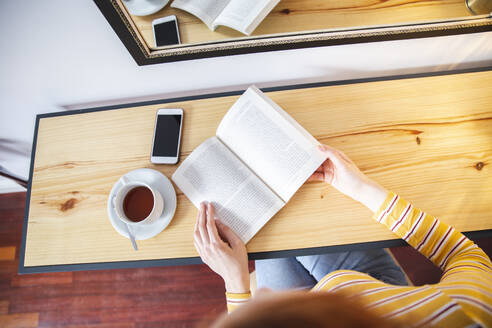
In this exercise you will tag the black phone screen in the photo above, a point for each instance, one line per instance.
(166, 139)
(166, 33)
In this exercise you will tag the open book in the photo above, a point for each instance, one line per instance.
(259, 158)
(241, 15)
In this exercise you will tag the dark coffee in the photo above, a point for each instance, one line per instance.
(138, 203)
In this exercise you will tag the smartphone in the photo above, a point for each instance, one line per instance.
(167, 136)
(166, 31)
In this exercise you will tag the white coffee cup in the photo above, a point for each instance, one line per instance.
(144, 7)
(119, 199)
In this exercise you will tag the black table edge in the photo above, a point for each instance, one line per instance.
(196, 260)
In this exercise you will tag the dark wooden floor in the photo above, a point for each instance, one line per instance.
(152, 297)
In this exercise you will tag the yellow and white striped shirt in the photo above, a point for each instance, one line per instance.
(462, 298)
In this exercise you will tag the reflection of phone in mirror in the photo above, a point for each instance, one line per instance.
(166, 31)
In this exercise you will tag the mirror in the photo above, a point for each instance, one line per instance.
(294, 24)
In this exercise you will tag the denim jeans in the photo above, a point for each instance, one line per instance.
(303, 272)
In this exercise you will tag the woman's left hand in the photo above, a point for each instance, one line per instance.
(222, 250)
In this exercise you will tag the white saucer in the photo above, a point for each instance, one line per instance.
(157, 180)
(144, 7)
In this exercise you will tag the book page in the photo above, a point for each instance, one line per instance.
(270, 142)
(242, 201)
(206, 10)
(245, 15)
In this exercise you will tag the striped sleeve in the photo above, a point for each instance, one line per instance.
(440, 243)
(235, 300)
(467, 276)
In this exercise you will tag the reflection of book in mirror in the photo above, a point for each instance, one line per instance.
(241, 15)
(258, 159)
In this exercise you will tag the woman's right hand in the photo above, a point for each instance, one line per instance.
(340, 172)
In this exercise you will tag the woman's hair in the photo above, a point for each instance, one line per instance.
(317, 310)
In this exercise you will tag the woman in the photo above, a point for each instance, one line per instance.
(345, 298)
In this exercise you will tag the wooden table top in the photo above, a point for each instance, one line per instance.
(294, 16)
(427, 138)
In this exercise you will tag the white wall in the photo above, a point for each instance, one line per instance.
(58, 55)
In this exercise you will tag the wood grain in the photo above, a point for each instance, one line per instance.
(4, 307)
(429, 139)
(291, 16)
(47, 279)
(105, 325)
(7, 253)
(19, 320)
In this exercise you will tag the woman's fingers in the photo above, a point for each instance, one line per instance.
(332, 153)
(324, 172)
(317, 176)
(201, 223)
(198, 248)
(229, 235)
(196, 233)
(337, 156)
(344, 157)
(213, 234)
